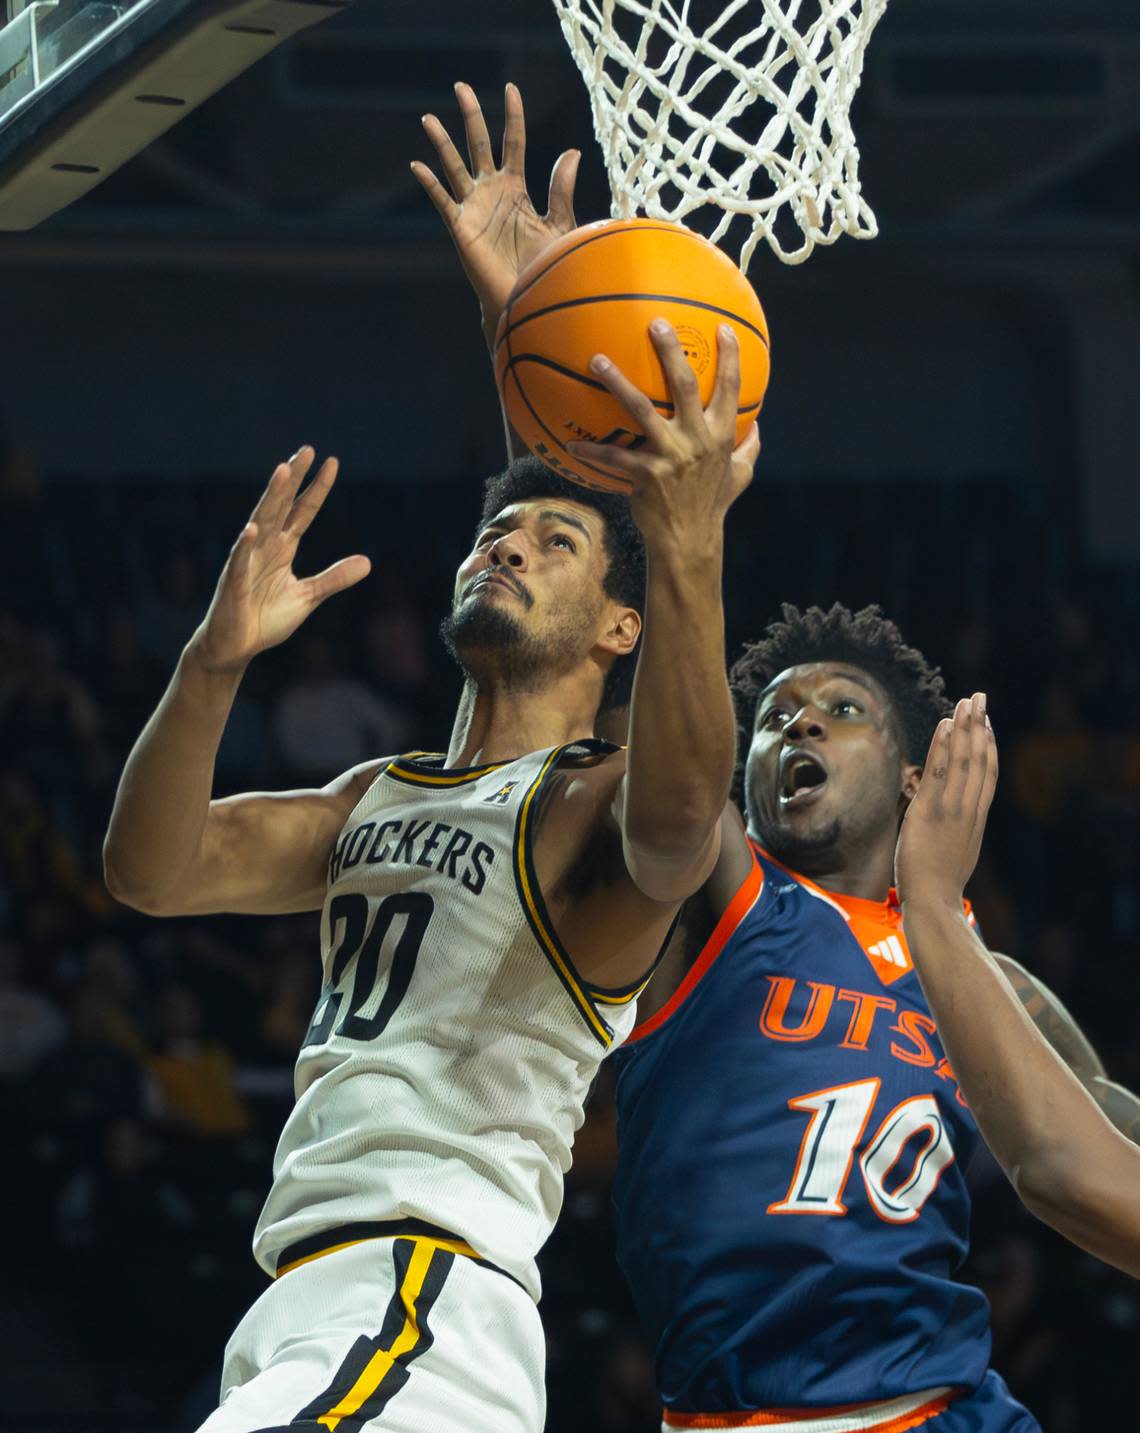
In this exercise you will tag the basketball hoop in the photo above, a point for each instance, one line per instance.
(748, 115)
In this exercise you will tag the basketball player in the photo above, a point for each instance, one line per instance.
(1068, 1163)
(488, 915)
(790, 1200)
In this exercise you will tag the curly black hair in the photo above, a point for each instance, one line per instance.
(864, 639)
(528, 478)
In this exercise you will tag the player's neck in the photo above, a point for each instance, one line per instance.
(867, 874)
(496, 724)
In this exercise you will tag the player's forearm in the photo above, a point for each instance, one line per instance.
(1031, 1109)
(682, 730)
(163, 800)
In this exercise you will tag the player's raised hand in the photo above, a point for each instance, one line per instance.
(259, 601)
(488, 212)
(689, 472)
(941, 833)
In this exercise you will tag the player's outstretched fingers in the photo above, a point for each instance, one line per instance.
(639, 407)
(275, 502)
(983, 756)
(235, 575)
(684, 389)
(744, 460)
(560, 200)
(958, 766)
(932, 788)
(310, 501)
(990, 786)
(725, 401)
(341, 575)
(514, 131)
(450, 161)
(475, 128)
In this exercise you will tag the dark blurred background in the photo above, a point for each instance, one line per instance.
(950, 431)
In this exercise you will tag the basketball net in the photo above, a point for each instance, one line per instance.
(749, 115)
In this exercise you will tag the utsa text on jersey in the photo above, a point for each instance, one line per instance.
(912, 1026)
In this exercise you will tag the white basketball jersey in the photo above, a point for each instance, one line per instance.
(443, 1075)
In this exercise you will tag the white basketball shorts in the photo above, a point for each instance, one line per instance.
(403, 1334)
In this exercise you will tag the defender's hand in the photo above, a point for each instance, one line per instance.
(941, 833)
(258, 601)
(688, 474)
(495, 228)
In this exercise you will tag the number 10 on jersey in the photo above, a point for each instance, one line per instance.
(839, 1116)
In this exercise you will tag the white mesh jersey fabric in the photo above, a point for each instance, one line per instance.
(444, 1073)
(742, 106)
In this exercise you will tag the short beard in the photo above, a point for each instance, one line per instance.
(481, 637)
(809, 853)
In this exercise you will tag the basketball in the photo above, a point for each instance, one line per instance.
(596, 291)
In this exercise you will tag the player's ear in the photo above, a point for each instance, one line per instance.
(622, 631)
(911, 776)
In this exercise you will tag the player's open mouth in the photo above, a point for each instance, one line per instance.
(802, 779)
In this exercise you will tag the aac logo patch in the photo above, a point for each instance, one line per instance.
(502, 796)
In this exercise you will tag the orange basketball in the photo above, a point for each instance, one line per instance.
(597, 291)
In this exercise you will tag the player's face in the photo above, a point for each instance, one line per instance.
(529, 597)
(825, 774)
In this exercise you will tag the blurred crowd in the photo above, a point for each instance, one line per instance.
(146, 1066)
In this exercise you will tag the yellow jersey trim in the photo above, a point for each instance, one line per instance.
(402, 769)
(384, 1360)
(536, 914)
(450, 1246)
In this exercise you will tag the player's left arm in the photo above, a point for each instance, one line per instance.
(1057, 1025)
(487, 209)
(1068, 1163)
(681, 750)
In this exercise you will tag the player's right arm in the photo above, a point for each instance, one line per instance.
(169, 849)
(1068, 1163)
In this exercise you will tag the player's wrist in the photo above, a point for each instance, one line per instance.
(202, 663)
(686, 553)
(937, 902)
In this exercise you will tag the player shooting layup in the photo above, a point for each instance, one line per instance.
(790, 1202)
(488, 915)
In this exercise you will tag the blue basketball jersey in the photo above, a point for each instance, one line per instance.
(790, 1195)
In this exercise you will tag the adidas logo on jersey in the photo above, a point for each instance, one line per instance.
(502, 796)
(891, 951)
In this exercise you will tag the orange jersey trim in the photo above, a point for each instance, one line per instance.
(876, 925)
(741, 903)
(777, 1416)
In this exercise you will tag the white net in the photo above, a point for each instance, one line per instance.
(739, 105)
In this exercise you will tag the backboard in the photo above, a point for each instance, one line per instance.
(86, 84)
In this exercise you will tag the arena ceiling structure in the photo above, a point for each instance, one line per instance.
(1012, 122)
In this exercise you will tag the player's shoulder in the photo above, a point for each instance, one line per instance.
(345, 792)
(357, 779)
(585, 773)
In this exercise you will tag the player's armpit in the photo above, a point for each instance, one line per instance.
(612, 931)
(267, 853)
